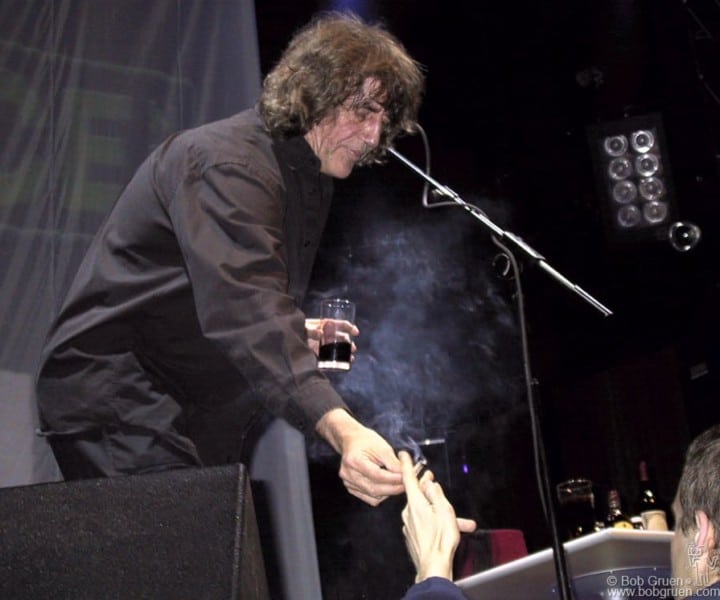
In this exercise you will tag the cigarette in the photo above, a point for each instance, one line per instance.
(413, 448)
(418, 456)
(420, 460)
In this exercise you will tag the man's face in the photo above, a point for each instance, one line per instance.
(343, 138)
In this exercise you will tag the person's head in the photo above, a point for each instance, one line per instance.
(695, 558)
(349, 87)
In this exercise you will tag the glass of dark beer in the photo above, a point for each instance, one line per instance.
(577, 507)
(337, 318)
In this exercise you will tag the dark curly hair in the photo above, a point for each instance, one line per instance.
(326, 63)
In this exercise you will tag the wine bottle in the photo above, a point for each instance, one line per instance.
(616, 518)
(649, 506)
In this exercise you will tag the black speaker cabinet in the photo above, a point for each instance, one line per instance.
(186, 533)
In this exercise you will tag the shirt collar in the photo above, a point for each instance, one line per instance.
(298, 153)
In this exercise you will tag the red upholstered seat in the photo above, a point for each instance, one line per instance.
(488, 548)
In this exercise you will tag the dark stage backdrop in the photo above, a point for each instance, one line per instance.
(87, 89)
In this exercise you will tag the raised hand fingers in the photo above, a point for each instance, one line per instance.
(413, 486)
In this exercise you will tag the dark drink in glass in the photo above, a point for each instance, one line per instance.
(577, 508)
(335, 356)
(577, 516)
(337, 316)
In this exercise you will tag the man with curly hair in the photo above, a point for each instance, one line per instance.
(184, 318)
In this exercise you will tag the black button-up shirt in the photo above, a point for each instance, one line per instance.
(190, 291)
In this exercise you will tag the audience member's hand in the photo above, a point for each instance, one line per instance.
(431, 529)
(369, 468)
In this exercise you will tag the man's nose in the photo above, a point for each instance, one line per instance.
(372, 130)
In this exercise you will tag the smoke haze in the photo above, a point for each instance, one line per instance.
(438, 341)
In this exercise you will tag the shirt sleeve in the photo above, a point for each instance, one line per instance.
(228, 221)
(434, 588)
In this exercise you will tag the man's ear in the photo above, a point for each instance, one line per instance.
(705, 535)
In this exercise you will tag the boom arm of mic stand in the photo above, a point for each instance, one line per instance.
(502, 235)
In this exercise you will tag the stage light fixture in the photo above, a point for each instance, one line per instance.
(629, 216)
(620, 168)
(624, 192)
(647, 165)
(633, 175)
(615, 145)
(642, 141)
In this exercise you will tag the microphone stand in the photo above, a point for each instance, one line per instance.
(503, 235)
(499, 236)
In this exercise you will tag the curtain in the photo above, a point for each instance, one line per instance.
(87, 89)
